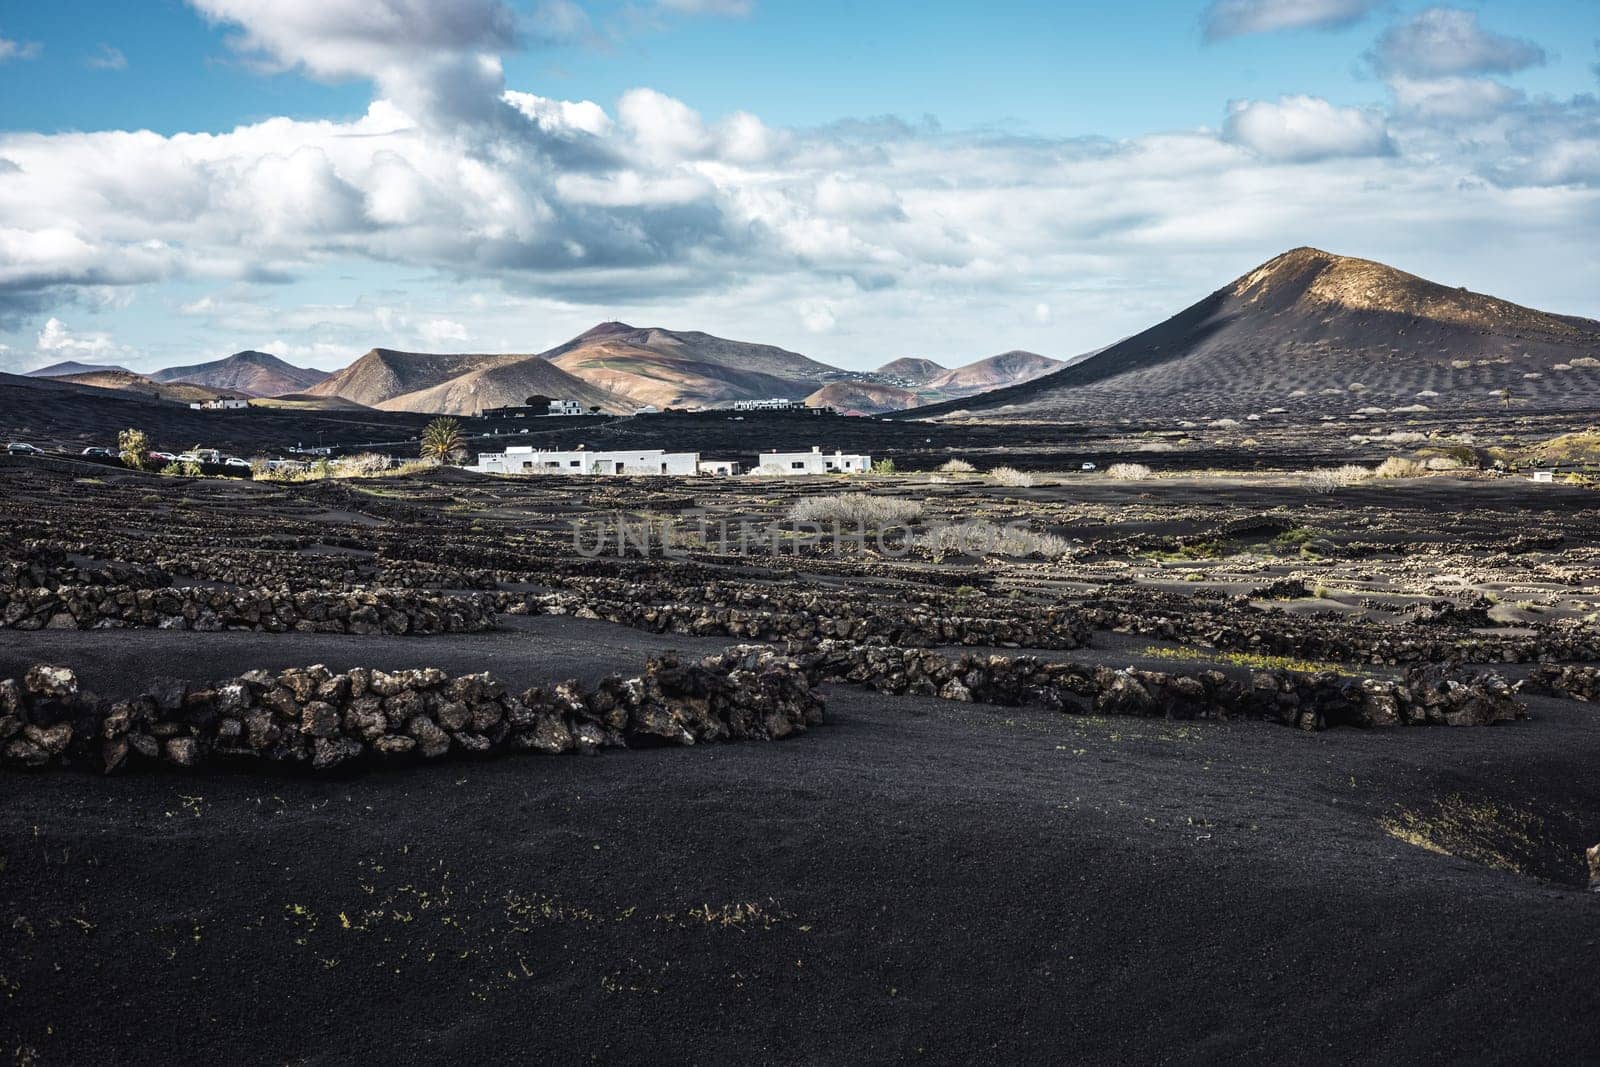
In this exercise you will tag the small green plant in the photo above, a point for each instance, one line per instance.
(883, 466)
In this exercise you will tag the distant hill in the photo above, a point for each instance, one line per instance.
(1310, 332)
(864, 398)
(1008, 368)
(255, 373)
(455, 384)
(908, 371)
(306, 402)
(125, 381)
(671, 369)
(72, 366)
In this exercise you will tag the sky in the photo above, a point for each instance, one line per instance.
(183, 179)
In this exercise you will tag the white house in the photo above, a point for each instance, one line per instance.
(526, 459)
(815, 461)
(777, 403)
(1544, 476)
(565, 407)
(221, 403)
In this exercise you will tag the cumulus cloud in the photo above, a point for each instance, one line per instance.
(10, 50)
(736, 8)
(1445, 41)
(1302, 128)
(56, 340)
(439, 60)
(1452, 99)
(1235, 18)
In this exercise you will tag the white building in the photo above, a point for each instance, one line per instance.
(221, 403)
(1544, 476)
(529, 460)
(777, 403)
(565, 407)
(815, 461)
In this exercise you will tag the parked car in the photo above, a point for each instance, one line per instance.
(1088, 467)
(235, 461)
(23, 448)
(99, 453)
(164, 457)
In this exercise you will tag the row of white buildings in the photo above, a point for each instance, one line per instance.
(530, 460)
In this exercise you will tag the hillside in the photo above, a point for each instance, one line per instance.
(1008, 368)
(670, 369)
(503, 384)
(864, 398)
(908, 371)
(255, 373)
(1315, 333)
(71, 367)
(125, 381)
(384, 374)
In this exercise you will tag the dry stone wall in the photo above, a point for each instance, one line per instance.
(315, 719)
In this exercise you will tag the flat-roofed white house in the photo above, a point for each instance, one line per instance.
(815, 461)
(221, 403)
(776, 403)
(529, 460)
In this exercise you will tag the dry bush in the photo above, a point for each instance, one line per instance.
(1010, 476)
(1586, 361)
(855, 509)
(1330, 479)
(363, 465)
(981, 538)
(1128, 472)
(1224, 424)
(1445, 463)
(1399, 467)
(958, 466)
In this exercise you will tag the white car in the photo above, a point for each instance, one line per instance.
(1088, 467)
(235, 461)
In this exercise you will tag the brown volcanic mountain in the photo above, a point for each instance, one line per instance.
(1008, 368)
(456, 384)
(255, 373)
(671, 369)
(908, 371)
(1312, 332)
(72, 366)
(864, 398)
(125, 381)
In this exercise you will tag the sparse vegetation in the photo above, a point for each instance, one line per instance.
(1332, 479)
(856, 509)
(1011, 477)
(957, 466)
(1128, 472)
(133, 448)
(1399, 467)
(982, 538)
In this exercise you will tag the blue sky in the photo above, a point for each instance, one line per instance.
(859, 182)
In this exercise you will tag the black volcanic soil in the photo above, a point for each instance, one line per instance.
(914, 879)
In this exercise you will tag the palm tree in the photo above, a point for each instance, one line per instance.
(442, 440)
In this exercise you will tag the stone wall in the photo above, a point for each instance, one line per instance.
(315, 719)
(384, 611)
(1576, 683)
(1309, 701)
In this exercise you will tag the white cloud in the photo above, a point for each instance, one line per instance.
(107, 58)
(1445, 41)
(1452, 99)
(57, 340)
(817, 316)
(441, 331)
(735, 8)
(10, 49)
(1041, 314)
(1301, 128)
(1234, 18)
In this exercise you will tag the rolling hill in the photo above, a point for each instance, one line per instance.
(125, 381)
(864, 398)
(1310, 332)
(71, 367)
(255, 373)
(909, 371)
(671, 369)
(456, 384)
(1008, 368)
